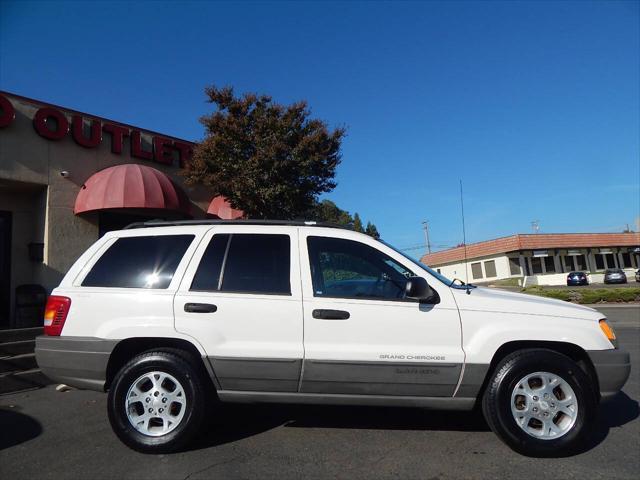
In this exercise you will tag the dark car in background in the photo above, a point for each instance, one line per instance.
(615, 275)
(638, 275)
(577, 278)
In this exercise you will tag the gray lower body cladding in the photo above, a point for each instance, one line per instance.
(76, 361)
(257, 374)
(612, 368)
(380, 378)
(336, 377)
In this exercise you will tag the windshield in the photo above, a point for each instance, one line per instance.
(439, 276)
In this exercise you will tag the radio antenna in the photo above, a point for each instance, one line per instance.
(464, 241)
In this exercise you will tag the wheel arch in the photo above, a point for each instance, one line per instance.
(571, 350)
(128, 348)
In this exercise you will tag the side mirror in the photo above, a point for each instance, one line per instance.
(418, 288)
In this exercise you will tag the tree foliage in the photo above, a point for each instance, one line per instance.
(371, 230)
(328, 211)
(268, 159)
(357, 224)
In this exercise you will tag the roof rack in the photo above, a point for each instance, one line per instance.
(177, 223)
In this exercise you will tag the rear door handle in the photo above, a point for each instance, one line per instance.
(200, 307)
(324, 314)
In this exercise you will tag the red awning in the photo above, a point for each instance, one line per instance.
(221, 208)
(131, 186)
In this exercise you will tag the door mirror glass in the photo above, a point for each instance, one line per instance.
(418, 288)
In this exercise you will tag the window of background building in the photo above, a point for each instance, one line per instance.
(476, 270)
(490, 268)
(581, 262)
(536, 265)
(139, 262)
(611, 263)
(626, 260)
(568, 263)
(599, 261)
(514, 266)
(549, 265)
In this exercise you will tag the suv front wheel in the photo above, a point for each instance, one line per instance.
(156, 402)
(540, 403)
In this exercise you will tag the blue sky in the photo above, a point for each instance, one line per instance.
(534, 105)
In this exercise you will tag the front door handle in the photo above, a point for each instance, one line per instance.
(200, 307)
(324, 314)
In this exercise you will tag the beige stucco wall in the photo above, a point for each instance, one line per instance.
(36, 163)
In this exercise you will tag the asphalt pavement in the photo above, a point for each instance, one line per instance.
(49, 434)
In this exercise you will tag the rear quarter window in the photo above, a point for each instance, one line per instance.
(139, 262)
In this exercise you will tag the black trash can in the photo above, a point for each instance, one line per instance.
(30, 303)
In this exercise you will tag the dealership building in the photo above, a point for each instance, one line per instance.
(66, 178)
(539, 259)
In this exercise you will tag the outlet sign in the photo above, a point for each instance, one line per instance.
(52, 124)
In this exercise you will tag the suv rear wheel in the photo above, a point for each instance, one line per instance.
(540, 403)
(156, 402)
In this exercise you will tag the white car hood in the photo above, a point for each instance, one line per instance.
(495, 300)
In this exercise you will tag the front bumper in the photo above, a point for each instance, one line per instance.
(612, 368)
(76, 361)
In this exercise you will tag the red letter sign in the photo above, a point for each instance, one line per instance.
(185, 150)
(78, 132)
(41, 120)
(162, 151)
(117, 136)
(7, 112)
(136, 147)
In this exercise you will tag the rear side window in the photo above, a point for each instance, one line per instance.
(139, 262)
(245, 263)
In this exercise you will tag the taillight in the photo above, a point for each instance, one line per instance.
(55, 314)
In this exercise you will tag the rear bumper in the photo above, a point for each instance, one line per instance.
(613, 368)
(76, 361)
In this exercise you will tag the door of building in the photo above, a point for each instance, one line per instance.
(5, 268)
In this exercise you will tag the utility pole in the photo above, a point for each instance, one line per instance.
(535, 225)
(425, 226)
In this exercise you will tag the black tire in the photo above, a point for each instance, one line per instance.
(182, 368)
(496, 402)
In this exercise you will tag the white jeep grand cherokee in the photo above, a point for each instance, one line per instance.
(168, 316)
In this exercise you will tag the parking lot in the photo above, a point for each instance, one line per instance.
(48, 434)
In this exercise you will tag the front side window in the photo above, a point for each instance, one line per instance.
(347, 269)
(139, 262)
(245, 263)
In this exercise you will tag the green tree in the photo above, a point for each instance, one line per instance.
(357, 224)
(268, 159)
(371, 230)
(327, 211)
